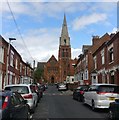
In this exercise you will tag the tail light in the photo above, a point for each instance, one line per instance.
(81, 92)
(5, 103)
(30, 96)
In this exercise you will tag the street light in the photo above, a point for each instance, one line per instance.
(7, 65)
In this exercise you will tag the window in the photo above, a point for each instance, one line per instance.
(1, 54)
(86, 74)
(81, 76)
(10, 78)
(16, 64)
(63, 53)
(11, 58)
(111, 55)
(103, 57)
(20, 67)
(95, 62)
(65, 41)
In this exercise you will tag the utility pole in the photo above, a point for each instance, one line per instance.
(33, 70)
(7, 62)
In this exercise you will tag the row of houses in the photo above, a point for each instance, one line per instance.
(12, 68)
(99, 62)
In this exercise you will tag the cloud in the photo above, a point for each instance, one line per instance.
(84, 21)
(76, 52)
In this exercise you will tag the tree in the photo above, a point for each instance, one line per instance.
(38, 74)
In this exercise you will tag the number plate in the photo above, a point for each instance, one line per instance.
(112, 98)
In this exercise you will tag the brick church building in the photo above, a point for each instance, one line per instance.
(57, 70)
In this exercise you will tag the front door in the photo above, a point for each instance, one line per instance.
(52, 79)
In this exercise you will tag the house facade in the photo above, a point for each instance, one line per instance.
(84, 69)
(106, 63)
(14, 64)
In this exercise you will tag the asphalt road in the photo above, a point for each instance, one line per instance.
(57, 104)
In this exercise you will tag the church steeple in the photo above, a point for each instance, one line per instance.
(64, 39)
(64, 28)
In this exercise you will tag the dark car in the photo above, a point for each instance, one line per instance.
(79, 91)
(114, 110)
(13, 106)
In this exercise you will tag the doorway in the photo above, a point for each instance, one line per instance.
(52, 79)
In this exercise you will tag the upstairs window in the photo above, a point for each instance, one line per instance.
(95, 62)
(111, 55)
(102, 57)
(11, 58)
(1, 54)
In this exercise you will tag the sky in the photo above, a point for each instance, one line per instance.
(37, 25)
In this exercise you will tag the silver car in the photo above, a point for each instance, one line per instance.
(27, 92)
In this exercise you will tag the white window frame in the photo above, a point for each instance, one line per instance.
(95, 62)
(11, 58)
(103, 57)
(2, 54)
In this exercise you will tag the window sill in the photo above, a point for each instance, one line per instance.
(111, 62)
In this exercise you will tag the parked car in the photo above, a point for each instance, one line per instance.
(27, 92)
(38, 91)
(101, 95)
(62, 87)
(13, 106)
(79, 92)
(114, 110)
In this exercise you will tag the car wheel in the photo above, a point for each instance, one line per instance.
(93, 105)
(28, 115)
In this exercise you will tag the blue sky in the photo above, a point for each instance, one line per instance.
(40, 25)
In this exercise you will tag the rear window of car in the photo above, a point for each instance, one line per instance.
(19, 89)
(112, 89)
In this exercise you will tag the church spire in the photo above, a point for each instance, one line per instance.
(64, 28)
(64, 39)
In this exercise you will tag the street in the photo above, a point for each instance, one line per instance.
(60, 104)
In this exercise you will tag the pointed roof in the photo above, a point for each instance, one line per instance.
(64, 27)
(52, 58)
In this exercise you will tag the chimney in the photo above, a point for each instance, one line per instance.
(95, 40)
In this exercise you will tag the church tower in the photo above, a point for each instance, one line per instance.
(64, 56)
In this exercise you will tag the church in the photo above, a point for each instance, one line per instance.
(58, 70)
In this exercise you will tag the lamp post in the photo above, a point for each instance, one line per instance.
(7, 62)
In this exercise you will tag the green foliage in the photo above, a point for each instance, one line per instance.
(38, 74)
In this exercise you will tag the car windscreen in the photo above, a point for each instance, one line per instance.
(19, 89)
(108, 89)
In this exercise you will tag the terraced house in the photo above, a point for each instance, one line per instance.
(99, 62)
(14, 69)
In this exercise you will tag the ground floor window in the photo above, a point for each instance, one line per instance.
(112, 77)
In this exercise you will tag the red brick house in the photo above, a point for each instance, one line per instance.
(107, 61)
(84, 69)
(15, 64)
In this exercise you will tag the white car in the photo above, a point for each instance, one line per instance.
(27, 92)
(62, 87)
(101, 95)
